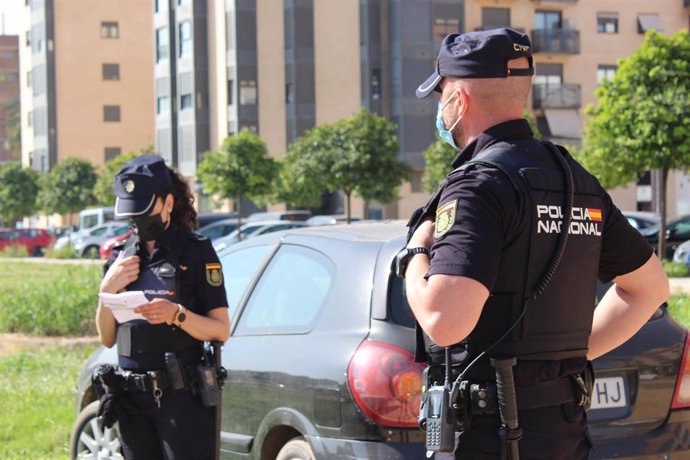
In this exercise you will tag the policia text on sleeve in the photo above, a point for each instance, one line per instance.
(167, 383)
(499, 283)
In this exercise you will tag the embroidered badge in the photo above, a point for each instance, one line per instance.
(214, 275)
(445, 218)
(129, 186)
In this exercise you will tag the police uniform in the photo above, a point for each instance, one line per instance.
(184, 269)
(497, 221)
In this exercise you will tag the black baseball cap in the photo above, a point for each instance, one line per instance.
(138, 184)
(482, 54)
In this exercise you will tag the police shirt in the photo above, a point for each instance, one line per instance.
(200, 277)
(482, 209)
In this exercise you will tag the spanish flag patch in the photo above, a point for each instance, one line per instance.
(594, 214)
(445, 218)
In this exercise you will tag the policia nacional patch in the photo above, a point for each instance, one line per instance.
(445, 218)
(214, 275)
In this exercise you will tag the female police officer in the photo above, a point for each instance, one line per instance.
(180, 274)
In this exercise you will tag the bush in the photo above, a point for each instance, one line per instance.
(14, 250)
(679, 307)
(49, 299)
(64, 252)
(675, 269)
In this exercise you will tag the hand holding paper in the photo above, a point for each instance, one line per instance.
(123, 304)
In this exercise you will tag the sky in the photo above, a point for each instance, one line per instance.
(9, 16)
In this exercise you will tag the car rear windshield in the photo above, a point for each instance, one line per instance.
(399, 309)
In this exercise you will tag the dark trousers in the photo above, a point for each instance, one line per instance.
(181, 429)
(550, 433)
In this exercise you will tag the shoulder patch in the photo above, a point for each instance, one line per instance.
(214, 275)
(445, 218)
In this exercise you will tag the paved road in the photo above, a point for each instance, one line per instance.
(680, 285)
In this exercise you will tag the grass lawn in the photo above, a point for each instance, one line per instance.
(36, 396)
(679, 307)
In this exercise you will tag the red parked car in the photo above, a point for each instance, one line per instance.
(107, 245)
(35, 240)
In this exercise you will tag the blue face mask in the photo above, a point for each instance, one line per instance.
(446, 134)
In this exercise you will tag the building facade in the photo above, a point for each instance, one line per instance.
(86, 80)
(279, 68)
(9, 91)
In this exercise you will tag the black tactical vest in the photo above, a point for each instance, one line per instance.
(142, 346)
(557, 324)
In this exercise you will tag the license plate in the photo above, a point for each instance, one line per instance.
(609, 393)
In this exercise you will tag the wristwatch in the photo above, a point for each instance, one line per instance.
(403, 258)
(180, 316)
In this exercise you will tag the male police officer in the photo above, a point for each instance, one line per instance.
(471, 274)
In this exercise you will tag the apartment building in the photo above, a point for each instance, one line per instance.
(577, 44)
(86, 80)
(280, 67)
(9, 89)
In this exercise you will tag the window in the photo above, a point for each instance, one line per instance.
(289, 93)
(29, 118)
(647, 22)
(111, 152)
(110, 30)
(186, 101)
(231, 89)
(605, 72)
(548, 74)
(493, 18)
(111, 71)
(289, 293)
(28, 79)
(162, 42)
(247, 92)
(607, 23)
(111, 113)
(443, 27)
(163, 104)
(28, 38)
(161, 5)
(375, 84)
(547, 20)
(185, 38)
(239, 269)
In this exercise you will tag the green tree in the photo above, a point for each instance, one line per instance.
(18, 192)
(439, 155)
(13, 127)
(642, 118)
(355, 155)
(103, 190)
(240, 169)
(68, 187)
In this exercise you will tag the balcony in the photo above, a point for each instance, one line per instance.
(563, 96)
(556, 41)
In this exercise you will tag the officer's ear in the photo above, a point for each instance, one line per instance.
(169, 203)
(463, 100)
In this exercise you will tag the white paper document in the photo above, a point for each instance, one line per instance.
(123, 304)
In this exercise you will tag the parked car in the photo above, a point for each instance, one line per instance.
(251, 229)
(330, 219)
(206, 218)
(295, 214)
(88, 245)
(677, 231)
(35, 240)
(321, 360)
(107, 246)
(682, 253)
(218, 229)
(642, 220)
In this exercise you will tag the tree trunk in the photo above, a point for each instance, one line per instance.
(239, 217)
(661, 242)
(347, 197)
(366, 210)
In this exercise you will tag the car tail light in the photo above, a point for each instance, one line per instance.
(681, 397)
(386, 383)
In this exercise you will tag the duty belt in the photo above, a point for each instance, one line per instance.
(483, 399)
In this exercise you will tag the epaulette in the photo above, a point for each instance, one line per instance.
(197, 236)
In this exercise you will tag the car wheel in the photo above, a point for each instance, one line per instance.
(296, 449)
(38, 251)
(90, 252)
(90, 439)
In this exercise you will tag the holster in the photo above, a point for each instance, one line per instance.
(114, 402)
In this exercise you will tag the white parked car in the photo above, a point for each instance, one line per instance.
(87, 244)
